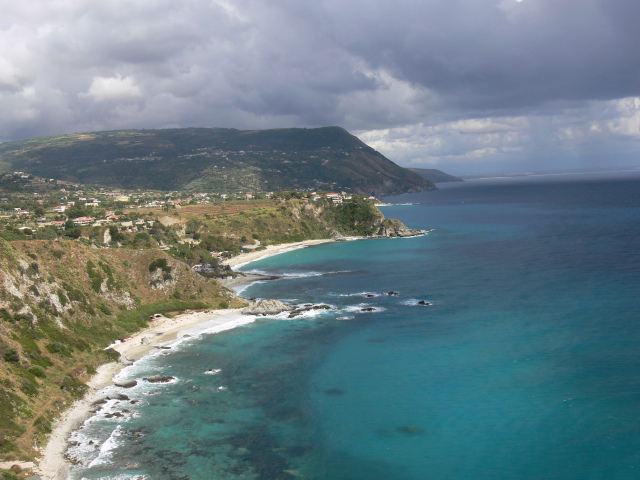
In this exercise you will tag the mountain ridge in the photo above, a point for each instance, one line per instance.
(436, 176)
(214, 159)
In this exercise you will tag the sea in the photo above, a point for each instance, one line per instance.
(504, 343)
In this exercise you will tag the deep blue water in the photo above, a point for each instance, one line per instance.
(525, 366)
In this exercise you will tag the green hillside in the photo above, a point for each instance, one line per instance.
(214, 159)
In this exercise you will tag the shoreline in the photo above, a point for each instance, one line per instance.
(52, 464)
(270, 250)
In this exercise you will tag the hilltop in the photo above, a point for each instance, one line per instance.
(214, 160)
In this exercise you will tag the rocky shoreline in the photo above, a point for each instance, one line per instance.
(54, 465)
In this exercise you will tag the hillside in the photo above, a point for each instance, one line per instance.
(61, 304)
(63, 300)
(214, 160)
(435, 175)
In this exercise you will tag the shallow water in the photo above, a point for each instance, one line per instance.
(526, 365)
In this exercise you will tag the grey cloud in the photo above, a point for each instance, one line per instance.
(459, 80)
(502, 54)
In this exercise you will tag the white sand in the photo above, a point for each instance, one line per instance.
(271, 250)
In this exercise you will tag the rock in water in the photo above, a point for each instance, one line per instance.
(395, 228)
(298, 311)
(159, 378)
(266, 307)
(127, 384)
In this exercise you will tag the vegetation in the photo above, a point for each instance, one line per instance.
(58, 314)
(218, 160)
(63, 300)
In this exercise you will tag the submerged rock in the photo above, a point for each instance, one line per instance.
(393, 294)
(117, 396)
(159, 378)
(294, 313)
(411, 430)
(333, 391)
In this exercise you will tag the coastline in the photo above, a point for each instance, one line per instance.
(271, 250)
(52, 465)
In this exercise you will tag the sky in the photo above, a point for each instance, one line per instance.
(465, 86)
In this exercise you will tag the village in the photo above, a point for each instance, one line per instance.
(36, 208)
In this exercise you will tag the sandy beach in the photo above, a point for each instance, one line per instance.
(53, 465)
(271, 250)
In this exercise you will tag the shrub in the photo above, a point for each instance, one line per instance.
(37, 371)
(43, 424)
(74, 386)
(104, 309)
(160, 263)
(5, 315)
(73, 232)
(11, 356)
(116, 236)
(29, 388)
(111, 354)
(63, 298)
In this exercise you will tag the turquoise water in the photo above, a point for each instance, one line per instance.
(526, 365)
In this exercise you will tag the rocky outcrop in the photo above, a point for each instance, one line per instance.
(159, 378)
(299, 311)
(395, 228)
(126, 384)
(266, 307)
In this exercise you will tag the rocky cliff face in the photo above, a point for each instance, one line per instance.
(395, 228)
(61, 304)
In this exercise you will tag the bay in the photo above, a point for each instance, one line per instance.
(525, 365)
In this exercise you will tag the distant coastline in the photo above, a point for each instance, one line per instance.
(554, 174)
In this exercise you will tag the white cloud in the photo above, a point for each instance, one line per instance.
(488, 125)
(113, 89)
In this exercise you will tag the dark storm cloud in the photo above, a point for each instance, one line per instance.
(426, 82)
(491, 55)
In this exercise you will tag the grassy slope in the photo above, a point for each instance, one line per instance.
(198, 159)
(56, 320)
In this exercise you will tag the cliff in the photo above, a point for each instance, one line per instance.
(61, 304)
